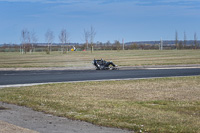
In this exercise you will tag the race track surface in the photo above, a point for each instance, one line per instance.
(46, 76)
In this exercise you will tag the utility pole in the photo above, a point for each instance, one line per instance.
(161, 44)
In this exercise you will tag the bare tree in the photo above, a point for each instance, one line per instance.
(34, 39)
(49, 36)
(86, 37)
(117, 45)
(195, 40)
(180, 44)
(176, 40)
(134, 46)
(64, 38)
(185, 40)
(108, 45)
(25, 37)
(92, 36)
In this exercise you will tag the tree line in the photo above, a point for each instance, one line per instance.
(28, 39)
(29, 43)
(182, 44)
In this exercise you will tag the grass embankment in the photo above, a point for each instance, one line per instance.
(151, 105)
(82, 58)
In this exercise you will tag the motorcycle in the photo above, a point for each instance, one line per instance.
(104, 65)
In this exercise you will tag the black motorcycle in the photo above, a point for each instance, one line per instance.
(104, 65)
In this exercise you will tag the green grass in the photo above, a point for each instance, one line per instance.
(150, 105)
(82, 59)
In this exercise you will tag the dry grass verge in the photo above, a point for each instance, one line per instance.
(150, 105)
(83, 58)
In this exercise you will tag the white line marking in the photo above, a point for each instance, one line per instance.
(172, 68)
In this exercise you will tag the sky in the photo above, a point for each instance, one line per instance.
(131, 20)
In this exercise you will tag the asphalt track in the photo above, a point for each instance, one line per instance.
(49, 76)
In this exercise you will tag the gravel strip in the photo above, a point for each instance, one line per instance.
(10, 128)
(45, 123)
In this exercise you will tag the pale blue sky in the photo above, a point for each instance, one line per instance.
(133, 20)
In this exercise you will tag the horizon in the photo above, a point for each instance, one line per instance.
(128, 43)
(131, 20)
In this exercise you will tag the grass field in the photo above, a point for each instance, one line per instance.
(82, 59)
(149, 105)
